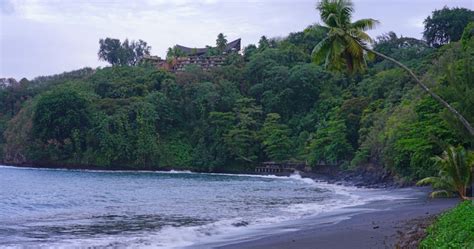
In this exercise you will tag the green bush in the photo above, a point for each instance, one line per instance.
(453, 229)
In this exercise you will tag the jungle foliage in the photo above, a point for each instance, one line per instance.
(453, 229)
(271, 103)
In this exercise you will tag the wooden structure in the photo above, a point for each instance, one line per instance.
(193, 56)
(204, 62)
(232, 47)
(281, 167)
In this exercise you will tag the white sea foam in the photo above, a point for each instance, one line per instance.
(179, 237)
(176, 171)
(171, 237)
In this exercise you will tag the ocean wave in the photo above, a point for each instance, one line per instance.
(175, 172)
(173, 237)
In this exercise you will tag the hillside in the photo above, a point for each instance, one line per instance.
(272, 103)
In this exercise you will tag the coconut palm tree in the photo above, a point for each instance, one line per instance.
(454, 175)
(346, 45)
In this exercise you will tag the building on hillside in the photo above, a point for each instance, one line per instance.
(194, 56)
(232, 47)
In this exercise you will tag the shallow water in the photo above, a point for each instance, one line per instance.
(44, 207)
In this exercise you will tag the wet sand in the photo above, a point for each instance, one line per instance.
(374, 229)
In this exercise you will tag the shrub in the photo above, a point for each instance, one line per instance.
(453, 229)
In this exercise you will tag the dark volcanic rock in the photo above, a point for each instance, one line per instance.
(369, 176)
(412, 232)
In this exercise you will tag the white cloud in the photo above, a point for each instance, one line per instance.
(40, 37)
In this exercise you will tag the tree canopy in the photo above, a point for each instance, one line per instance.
(221, 43)
(446, 25)
(127, 53)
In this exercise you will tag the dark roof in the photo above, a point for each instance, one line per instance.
(233, 46)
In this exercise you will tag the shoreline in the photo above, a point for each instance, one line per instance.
(379, 228)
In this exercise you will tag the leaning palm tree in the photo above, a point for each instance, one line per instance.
(346, 45)
(454, 174)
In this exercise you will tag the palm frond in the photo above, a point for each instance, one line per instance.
(361, 36)
(428, 180)
(320, 51)
(359, 64)
(326, 8)
(338, 45)
(454, 171)
(370, 56)
(335, 13)
(336, 32)
(345, 9)
(354, 47)
(365, 24)
(315, 27)
(332, 20)
(335, 59)
(440, 193)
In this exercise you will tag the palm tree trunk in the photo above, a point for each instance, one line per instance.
(427, 89)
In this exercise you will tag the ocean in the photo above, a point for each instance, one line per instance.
(175, 209)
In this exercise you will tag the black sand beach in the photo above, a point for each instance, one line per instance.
(378, 228)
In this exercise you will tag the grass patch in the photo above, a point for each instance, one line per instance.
(453, 229)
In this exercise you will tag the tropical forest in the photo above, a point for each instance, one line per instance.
(279, 100)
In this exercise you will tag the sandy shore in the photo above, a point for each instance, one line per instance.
(377, 228)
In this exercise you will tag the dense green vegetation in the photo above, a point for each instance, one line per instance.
(122, 53)
(454, 174)
(272, 103)
(453, 229)
(345, 45)
(440, 28)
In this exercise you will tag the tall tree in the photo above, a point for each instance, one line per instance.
(127, 53)
(242, 138)
(346, 44)
(276, 138)
(263, 43)
(110, 50)
(139, 49)
(330, 144)
(221, 42)
(249, 51)
(446, 25)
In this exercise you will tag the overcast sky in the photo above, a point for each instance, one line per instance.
(43, 37)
